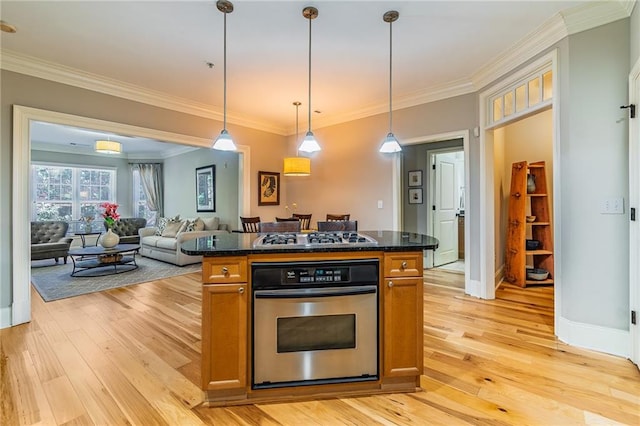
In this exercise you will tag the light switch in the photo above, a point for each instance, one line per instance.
(379, 204)
(612, 206)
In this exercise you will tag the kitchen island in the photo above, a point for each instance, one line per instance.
(311, 319)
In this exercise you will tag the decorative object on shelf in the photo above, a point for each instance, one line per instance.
(224, 142)
(268, 189)
(531, 184)
(108, 147)
(537, 274)
(297, 166)
(206, 188)
(415, 177)
(532, 244)
(390, 143)
(110, 215)
(415, 196)
(309, 144)
(531, 219)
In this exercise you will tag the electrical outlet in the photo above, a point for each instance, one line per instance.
(379, 204)
(612, 206)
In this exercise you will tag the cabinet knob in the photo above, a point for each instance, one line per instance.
(225, 270)
(241, 290)
(390, 284)
(404, 265)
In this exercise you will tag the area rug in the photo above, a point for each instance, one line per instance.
(54, 281)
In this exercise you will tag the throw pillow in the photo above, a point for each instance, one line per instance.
(162, 223)
(211, 223)
(171, 229)
(191, 225)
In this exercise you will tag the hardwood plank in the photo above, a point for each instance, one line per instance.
(132, 356)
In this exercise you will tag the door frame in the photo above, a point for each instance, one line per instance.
(20, 225)
(431, 155)
(469, 286)
(634, 226)
(487, 201)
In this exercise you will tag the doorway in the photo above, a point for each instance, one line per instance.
(22, 119)
(447, 207)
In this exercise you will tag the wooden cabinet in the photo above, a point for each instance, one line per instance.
(402, 315)
(524, 203)
(224, 323)
(460, 236)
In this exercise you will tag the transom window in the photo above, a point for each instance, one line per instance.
(530, 94)
(70, 193)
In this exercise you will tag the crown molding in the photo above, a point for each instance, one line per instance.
(591, 15)
(552, 31)
(559, 26)
(34, 67)
(88, 150)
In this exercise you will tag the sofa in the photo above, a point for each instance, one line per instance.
(164, 242)
(127, 229)
(49, 241)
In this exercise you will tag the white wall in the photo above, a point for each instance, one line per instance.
(634, 48)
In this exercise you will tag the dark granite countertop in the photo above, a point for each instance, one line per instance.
(242, 244)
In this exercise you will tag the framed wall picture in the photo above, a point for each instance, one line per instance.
(268, 189)
(415, 196)
(415, 178)
(206, 189)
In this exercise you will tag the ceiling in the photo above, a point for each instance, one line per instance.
(159, 50)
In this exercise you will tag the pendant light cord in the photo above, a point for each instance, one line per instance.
(297, 104)
(310, 19)
(390, 73)
(224, 96)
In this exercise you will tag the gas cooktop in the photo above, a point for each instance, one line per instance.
(313, 239)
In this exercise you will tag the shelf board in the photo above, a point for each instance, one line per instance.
(536, 195)
(539, 223)
(534, 282)
(536, 252)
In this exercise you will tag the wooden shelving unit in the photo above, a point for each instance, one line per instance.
(522, 204)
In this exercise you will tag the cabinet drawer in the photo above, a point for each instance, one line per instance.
(232, 269)
(403, 264)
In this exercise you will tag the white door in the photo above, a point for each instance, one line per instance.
(445, 221)
(634, 203)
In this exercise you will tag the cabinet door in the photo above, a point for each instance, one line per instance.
(224, 336)
(403, 323)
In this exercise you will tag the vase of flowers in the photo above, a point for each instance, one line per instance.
(110, 215)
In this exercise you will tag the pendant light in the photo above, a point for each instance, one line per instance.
(297, 166)
(390, 143)
(224, 142)
(309, 144)
(108, 147)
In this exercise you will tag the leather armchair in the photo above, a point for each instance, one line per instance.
(48, 240)
(127, 228)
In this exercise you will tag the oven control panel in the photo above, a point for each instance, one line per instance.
(314, 274)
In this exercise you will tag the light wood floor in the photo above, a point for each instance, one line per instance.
(131, 356)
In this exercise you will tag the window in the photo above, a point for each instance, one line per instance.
(141, 209)
(69, 193)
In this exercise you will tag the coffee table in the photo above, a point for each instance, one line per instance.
(105, 261)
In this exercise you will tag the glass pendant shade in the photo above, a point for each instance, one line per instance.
(390, 144)
(309, 144)
(297, 166)
(108, 147)
(224, 142)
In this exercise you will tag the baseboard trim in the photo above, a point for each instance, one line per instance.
(594, 337)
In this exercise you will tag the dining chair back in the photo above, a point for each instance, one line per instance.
(331, 217)
(286, 219)
(286, 226)
(250, 224)
(338, 225)
(305, 220)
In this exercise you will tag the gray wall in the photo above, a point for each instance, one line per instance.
(635, 35)
(414, 157)
(594, 165)
(180, 185)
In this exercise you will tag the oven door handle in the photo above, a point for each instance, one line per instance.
(315, 292)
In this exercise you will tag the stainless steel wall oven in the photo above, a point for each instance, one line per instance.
(314, 322)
